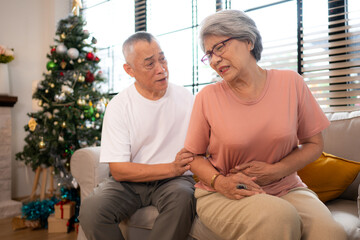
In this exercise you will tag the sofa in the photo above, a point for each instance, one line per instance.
(341, 138)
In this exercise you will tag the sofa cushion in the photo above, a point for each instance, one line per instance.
(341, 138)
(345, 213)
(329, 175)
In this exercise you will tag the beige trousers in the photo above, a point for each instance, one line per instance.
(297, 215)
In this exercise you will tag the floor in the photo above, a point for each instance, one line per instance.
(6, 233)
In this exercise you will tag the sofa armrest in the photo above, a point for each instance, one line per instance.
(87, 170)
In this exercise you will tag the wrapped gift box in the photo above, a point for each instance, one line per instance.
(18, 222)
(57, 225)
(34, 224)
(64, 210)
(76, 226)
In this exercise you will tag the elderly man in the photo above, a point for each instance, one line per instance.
(142, 140)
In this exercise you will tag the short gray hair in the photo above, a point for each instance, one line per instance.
(136, 37)
(232, 23)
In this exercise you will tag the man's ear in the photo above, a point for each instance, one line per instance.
(128, 69)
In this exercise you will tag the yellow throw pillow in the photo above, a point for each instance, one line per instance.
(329, 175)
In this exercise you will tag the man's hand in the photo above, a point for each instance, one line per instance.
(263, 172)
(181, 162)
(227, 185)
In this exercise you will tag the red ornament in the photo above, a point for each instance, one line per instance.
(53, 50)
(89, 77)
(97, 59)
(90, 56)
(61, 74)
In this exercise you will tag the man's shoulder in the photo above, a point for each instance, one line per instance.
(180, 91)
(123, 95)
(121, 100)
(179, 88)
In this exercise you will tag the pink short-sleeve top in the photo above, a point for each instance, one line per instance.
(267, 129)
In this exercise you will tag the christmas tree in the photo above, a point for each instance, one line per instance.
(71, 101)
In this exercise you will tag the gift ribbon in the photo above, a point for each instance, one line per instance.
(62, 203)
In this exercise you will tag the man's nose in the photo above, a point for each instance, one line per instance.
(160, 67)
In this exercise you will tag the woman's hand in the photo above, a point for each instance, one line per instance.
(227, 185)
(263, 172)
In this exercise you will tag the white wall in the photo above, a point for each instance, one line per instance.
(29, 27)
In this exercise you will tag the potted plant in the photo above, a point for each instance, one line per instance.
(6, 56)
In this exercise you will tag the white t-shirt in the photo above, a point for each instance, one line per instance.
(139, 130)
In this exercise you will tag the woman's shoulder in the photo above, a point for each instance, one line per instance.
(284, 76)
(283, 73)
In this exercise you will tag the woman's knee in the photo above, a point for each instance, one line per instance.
(277, 214)
(257, 217)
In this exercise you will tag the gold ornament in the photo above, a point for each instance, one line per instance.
(97, 115)
(96, 138)
(79, 60)
(40, 103)
(63, 65)
(63, 36)
(32, 124)
(63, 125)
(42, 144)
(55, 123)
(52, 85)
(76, 7)
(81, 78)
(47, 91)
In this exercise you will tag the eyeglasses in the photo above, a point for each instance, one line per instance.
(217, 50)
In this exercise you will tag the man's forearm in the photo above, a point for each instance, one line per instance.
(137, 172)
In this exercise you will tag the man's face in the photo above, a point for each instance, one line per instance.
(146, 62)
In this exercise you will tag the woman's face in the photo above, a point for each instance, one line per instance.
(235, 56)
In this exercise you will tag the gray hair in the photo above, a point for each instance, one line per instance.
(136, 37)
(232, 23)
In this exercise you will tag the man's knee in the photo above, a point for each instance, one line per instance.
(88, 215)
(180, 199)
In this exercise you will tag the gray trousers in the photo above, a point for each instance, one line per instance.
(112, 202)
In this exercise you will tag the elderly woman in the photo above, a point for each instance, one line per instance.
(257, 127)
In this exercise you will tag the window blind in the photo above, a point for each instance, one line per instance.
(140, 15)
(279, 37)
(330, 54)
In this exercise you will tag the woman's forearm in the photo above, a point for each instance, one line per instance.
(308, 151)
(203, 169)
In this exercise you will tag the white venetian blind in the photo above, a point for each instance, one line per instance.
(277, 23)
(111, 22)
(331, 52)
